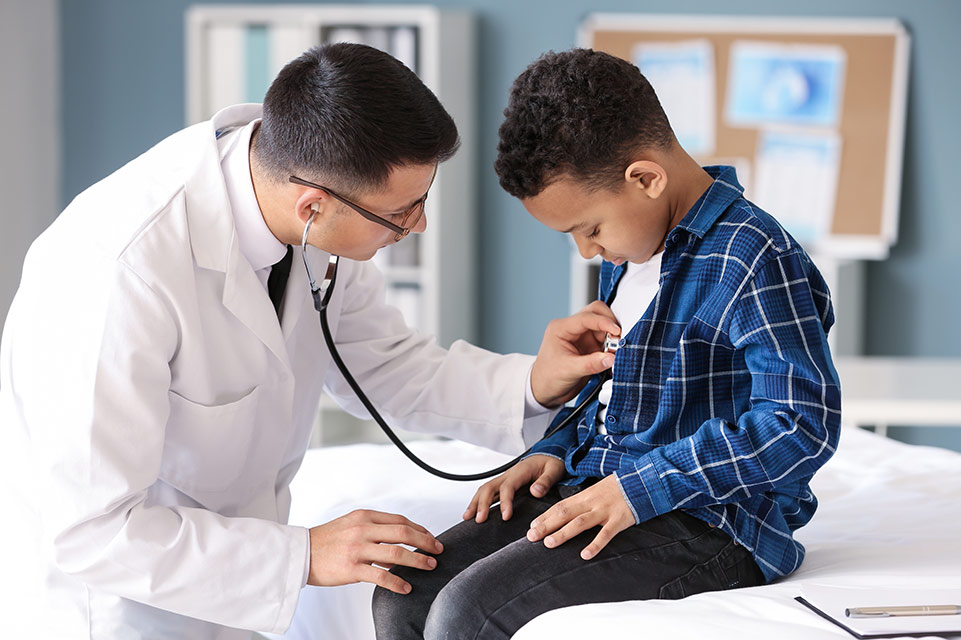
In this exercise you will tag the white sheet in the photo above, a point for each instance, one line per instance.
(890, 514)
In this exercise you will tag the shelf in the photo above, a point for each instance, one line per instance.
(234, 51)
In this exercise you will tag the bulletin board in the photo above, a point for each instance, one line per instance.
(870, 121)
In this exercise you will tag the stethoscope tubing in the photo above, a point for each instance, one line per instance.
(320, 304)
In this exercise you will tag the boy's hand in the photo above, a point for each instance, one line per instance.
(600, 505)
(541, 472)
(571, 352)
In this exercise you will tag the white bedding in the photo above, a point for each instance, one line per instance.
(889, 515)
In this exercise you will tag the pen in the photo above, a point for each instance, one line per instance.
(919, 610)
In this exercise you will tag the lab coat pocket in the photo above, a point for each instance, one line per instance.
(206, 448)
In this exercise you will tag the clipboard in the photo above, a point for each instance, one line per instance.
(829, 602)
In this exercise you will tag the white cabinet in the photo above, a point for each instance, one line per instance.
(235, 51)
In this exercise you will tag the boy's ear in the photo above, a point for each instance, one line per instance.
(648, 176)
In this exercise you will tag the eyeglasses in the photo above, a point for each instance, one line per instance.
(409, 218)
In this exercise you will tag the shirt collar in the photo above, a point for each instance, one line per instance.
(257, 243)
(712, 202)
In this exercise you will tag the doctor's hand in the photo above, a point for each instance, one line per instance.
(571, 352)
(540, 471)
(362, 545)
(602, 505)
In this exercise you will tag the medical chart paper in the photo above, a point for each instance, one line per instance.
(796, 180)
(682, 74)
(830, 602)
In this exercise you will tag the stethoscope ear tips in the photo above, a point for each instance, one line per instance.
(327, 287)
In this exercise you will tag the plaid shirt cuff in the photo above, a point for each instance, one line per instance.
(643, 490)
(552, 447)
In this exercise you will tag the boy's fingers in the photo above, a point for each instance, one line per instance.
(473, 506)
(600, 541)
(545, 481)
(507, 501)
(487, 495)
(579, 524)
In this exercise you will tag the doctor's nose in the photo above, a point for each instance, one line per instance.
(421, 225)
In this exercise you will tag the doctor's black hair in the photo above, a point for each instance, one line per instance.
(348, 114)
(579, 113)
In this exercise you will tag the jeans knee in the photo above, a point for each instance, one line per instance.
(452, 615)
(388, 612)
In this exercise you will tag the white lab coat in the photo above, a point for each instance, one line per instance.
(154, 412)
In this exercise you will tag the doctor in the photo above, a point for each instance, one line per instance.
(156, 404)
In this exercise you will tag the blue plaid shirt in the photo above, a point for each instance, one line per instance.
(725, 399)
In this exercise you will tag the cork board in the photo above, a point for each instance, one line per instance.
(871, 123)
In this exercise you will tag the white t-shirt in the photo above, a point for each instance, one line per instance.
(635, 291)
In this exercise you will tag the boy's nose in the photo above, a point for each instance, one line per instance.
(586, 247)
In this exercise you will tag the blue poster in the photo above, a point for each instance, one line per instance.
(785, 85)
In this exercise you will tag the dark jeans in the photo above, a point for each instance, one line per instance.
(490, 580)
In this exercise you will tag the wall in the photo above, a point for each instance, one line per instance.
(124, 90)
(30, 113)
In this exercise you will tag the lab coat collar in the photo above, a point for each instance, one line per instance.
(209, 217)
(216, 246)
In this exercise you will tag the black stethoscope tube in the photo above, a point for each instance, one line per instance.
(320, 304)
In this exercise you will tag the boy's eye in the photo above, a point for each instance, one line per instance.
(592, 234)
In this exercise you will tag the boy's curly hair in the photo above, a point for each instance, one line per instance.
(579, 113)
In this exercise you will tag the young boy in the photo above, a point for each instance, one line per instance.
(690, 471)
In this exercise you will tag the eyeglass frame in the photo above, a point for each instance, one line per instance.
(400, 231)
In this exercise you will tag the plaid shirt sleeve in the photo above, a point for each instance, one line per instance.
(792, 425)
(559, 444)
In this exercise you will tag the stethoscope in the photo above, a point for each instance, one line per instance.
(321, 296)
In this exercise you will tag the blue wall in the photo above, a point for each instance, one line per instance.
(123, 90)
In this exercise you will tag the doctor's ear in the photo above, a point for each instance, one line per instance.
(306, 209)
(648, 176)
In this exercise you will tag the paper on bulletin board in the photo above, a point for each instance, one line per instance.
(796, 180)
(682, 74)
(775, 84)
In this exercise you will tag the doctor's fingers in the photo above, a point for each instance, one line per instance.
(599, 308)
(366, 526)
(393, 528)
(392, 555)
(597, 318)
(584, 323)
(382, 517)
(382, 578)
(593, 363)
(394, 534)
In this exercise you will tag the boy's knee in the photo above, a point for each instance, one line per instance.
(388, 611)
(443, 614)
(457, 612)
(401, 616)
